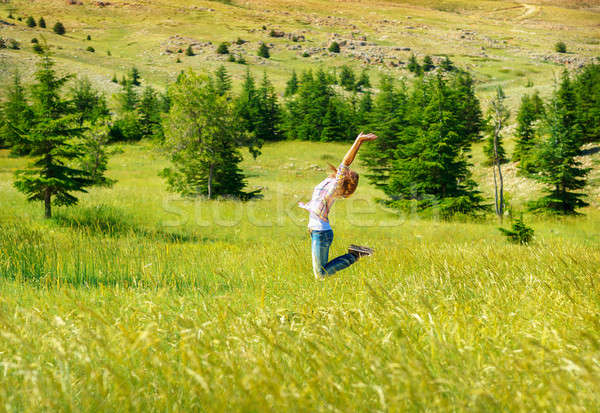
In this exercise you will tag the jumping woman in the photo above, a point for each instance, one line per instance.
(339, 184)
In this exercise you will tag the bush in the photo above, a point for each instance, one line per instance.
(334, 47)
(189, 51)
(114, 79)
(34, 40)
(241, 60)
(231, 58)
(126, 129)
(59, 28)
(519, 233)
(108, 53)
(305, 54)
(13, 44)
(30, 22)
(38, 48)
(223, 48)
(239, 41)
(560, 47)
(42, 23)
(90, 49)
(263, 51)
(88, 37)
(178, 60)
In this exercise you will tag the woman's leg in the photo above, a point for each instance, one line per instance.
(320, 243)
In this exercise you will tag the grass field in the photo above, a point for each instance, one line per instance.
(137, 301)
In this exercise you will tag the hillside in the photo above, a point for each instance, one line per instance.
(506, 43)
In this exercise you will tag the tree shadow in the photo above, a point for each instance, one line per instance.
(590, 151)
(110, 221)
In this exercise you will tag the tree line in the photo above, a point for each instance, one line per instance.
(421, 162)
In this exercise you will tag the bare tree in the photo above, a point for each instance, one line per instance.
(498, 115)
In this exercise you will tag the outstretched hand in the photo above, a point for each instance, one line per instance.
(367, 137)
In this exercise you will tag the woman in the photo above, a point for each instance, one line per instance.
(340, 184)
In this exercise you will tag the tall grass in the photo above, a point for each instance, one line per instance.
(108, 308)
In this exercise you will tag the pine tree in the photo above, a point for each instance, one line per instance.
(89, 104)
(30, 22)
(50, 178)
(334, 47)
(388, 118)
(148, 111)
(555, 160)
(414, 66)
(587, 87)
(363, 81)
(189, 51)
(134, 76)
(347, 78)
(530, 111)
(447, 65)
(428, 64)
(223, 48)
(203, 138)
(267, 127)
(291, 86)
(18, 116)
(42, 23)
(263, 51)
(59, 28)
(94, 159)
(222, 81)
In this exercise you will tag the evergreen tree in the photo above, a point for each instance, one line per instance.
(148, 111)
(134, 76)
(587, 87)
(89, 104)
(263, 51)
(347, 78)
(291, 86)
(59, 28)
(50, 178)
(334, 47)
(363, 81)
(414, 66)
(428, 64)
(267, 125)
(42, 23)
(189, 51)
(388, 118)
(555, 160)
(222, 81)
(223, 48)
(530, 111)
(30, 22)
(203, 138)
(18, 116)
(447, 65)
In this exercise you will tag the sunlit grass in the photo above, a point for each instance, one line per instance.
(138, 301)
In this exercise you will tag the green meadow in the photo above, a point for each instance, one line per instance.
(139, 300)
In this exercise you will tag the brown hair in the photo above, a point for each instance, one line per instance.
(348, 185)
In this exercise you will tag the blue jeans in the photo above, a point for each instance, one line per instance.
(320, 243)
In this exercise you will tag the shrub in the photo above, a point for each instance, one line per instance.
(272, 33)
(34, 40)
(263, 51)
(42, 23)
(305, 54)
(241, 60)
(519, 233)
(560, 47)
(114, 79)
(108, 53)
(428, 64)
(179, 51)
(334, 47)
(13, 44)
(223, 48)
(231, 58)
(10, 15)
(239, 41)
(30, 22)
(37, 48)
(89, 37)
(189, 51)
(178, 60)
(59, 28)
(90, 49)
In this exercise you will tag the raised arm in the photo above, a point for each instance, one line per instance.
(351, 154)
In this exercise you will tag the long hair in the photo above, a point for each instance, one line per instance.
(348, 185)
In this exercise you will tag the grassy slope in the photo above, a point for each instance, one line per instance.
(138, 301)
